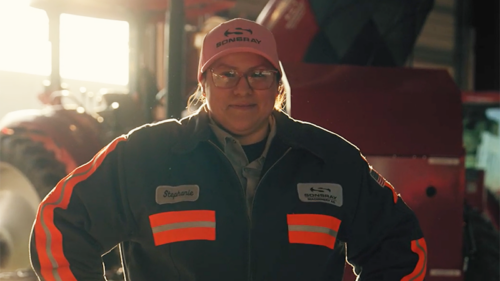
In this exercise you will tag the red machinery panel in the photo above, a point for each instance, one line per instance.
(434, 189)
(487, 98)
(384, 111)
(293, 25)
(408, 122)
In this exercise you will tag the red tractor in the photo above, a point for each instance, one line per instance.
(349, 80)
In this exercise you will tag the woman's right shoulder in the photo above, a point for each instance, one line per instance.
(162, 133)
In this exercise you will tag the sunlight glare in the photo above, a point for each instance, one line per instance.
(91, 49)
(94, 49)
(14, 3)
(24, 38)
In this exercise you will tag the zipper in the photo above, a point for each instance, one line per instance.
(267, 172)
(253, 201)
(249, 223)
(249, 216)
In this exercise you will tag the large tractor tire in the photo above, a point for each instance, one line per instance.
(28, 172)
(482, 247)
(34, 161)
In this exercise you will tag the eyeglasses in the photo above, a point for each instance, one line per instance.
(257, 79)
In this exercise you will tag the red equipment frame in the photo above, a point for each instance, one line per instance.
(416, 145)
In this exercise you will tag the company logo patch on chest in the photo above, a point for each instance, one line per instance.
(166, 194)
(330, 193)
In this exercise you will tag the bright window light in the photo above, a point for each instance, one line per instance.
(91, 49)
(94, 49)
(24, 38)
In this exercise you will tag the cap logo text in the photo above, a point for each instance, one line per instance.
(237, 39)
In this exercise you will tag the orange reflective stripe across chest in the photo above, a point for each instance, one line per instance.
(169, 227)
(313, 229)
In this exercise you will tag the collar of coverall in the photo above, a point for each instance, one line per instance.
(198, 130)
(223, 137)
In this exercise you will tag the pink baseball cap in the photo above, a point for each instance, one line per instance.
(234, 36)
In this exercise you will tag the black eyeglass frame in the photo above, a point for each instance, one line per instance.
(276, 74)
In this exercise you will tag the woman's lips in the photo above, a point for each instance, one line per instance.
(243, 106)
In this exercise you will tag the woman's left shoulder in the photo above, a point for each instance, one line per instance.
(326, 142)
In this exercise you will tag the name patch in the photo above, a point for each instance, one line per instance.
(166, 194)
(330, 193)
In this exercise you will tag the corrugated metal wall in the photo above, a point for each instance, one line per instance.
(435, 45)
(438, 45)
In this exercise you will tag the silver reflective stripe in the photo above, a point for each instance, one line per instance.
(179, 225)
(48, 246)
(55, 266)
(309, 228)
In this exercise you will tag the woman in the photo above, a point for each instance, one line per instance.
(237, 191)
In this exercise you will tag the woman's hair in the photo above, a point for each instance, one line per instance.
(197, 99)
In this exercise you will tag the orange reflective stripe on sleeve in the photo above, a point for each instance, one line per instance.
(394, 194)
(169, 227)
(420, 248)
(313, 229)
(53, 264)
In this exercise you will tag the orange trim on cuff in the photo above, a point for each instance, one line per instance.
(420, 248)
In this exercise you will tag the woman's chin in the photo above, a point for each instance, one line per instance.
(239, 129)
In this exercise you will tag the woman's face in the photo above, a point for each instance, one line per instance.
(241, 110)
